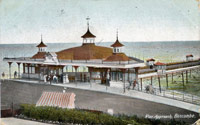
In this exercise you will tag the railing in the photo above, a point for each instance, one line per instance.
(172, 94)
(97, 61)
(189, 98)
(23, 59)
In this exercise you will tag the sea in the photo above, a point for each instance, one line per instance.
(172, 51)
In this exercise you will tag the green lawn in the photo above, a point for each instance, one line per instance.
(192, 87)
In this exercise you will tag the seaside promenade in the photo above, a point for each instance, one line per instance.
(134, 94)
(157, 97)
(168, 97)
(94, 96)
(130, 103)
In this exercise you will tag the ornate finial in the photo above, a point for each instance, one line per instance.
(117, 34)
(41, 38)
(88, 21)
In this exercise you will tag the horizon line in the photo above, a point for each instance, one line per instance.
(109, 42)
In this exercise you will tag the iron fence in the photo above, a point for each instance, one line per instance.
(176, 95)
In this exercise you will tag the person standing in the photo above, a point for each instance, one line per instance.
(55, 79)
(45, 78)
(67, 79)
(3, 75)
(134, 83)
(15, 74)
(49, 79)
(108, 78)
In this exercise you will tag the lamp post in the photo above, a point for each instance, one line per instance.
(18, 63)
(10, 63)
(76, 67)
(124, 81)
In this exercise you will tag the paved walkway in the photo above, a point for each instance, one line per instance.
(158, 98)
(133, 94)
(16, 121)
(23, 92)
(129, 93)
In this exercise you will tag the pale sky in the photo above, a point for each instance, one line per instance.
(23, 21)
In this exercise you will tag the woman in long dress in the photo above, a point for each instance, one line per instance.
(45, 78)
(67, 79)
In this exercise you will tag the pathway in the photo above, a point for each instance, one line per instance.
(163, 98)
(133, 94)
(16, 121)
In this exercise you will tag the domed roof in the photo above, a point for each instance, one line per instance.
(39, 55)
(41, 45)
(189, 55)
(118, 57)
(117, 44)
(85, 52)
(88, 34)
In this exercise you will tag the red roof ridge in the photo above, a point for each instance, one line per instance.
(159, 63)
(151, 59)
(190, 55)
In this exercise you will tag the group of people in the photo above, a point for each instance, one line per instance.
(50, 79)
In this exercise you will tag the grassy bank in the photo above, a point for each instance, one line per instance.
(85, 117)
(192, 87)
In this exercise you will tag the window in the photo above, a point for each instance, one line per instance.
(30, 70)
(33, 70)
(26, 69)
(114, 50)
